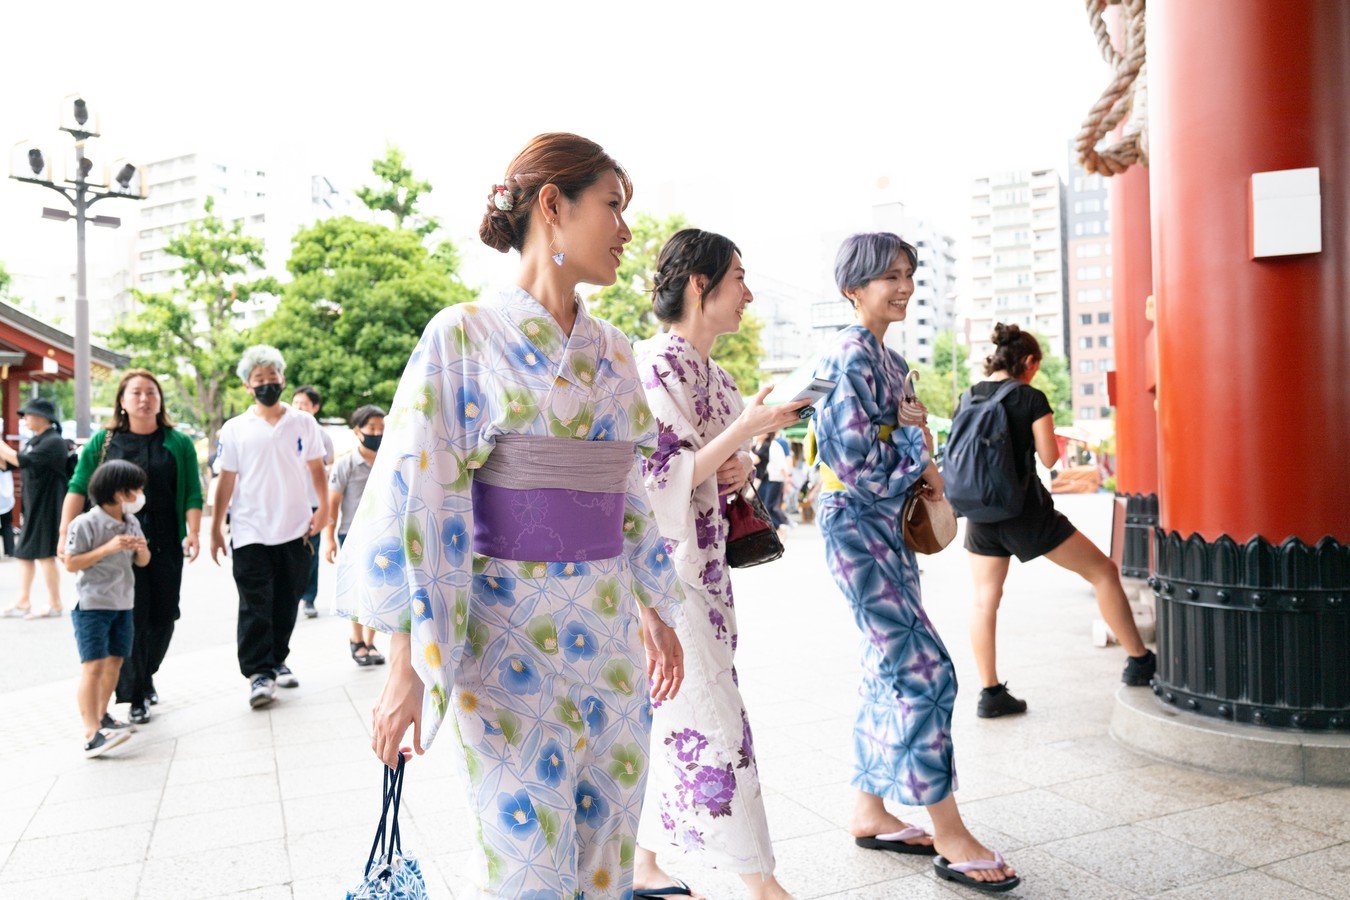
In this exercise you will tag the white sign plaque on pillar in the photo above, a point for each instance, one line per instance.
(1285, 213)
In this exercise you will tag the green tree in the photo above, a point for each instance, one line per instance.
(398, 192)
(1053, 381)
(935, 381)
(627, 303)
(5, 280)
(359, 298)
(191, 337)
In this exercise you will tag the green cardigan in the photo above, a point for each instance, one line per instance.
(184, 454)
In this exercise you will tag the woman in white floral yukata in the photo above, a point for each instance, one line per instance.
(703, 794)
(506, 539)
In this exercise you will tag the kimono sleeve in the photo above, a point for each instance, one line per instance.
(654, 580)
(848, 433)
(670, 469)
(406, 565)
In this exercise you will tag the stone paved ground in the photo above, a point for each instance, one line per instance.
(214, 799)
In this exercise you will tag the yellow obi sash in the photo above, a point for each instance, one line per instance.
(828, 480)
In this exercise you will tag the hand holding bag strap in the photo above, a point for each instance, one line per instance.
(392, 792)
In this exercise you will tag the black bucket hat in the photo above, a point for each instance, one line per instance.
(41, 406)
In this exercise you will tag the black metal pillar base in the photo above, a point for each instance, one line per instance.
(1141, 517)
(1255, 633)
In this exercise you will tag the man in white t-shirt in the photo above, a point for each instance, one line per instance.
(267, 456)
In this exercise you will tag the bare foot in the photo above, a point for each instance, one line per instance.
(652, 877)
(965, 848)
(871, 823)
(762, 888)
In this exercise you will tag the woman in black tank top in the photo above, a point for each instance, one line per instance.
(1038, 530)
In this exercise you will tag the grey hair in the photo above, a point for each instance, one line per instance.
(863, 257)
(260, 355)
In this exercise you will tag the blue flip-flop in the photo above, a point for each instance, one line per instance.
(957, 872)
(898, 842)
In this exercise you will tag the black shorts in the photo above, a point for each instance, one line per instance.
(1034, 532)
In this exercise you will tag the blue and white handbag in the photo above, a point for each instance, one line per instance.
(389, 875)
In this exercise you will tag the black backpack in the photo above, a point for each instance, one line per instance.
(980, 473)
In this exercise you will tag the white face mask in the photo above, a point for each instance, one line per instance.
(131, 507)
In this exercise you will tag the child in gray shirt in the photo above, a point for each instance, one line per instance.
(101, 546)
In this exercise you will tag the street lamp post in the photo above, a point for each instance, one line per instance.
(82, 194)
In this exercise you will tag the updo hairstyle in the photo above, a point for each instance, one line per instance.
(569, 161)
(689, 252)
(1012, 346)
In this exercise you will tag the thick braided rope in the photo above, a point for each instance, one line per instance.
(1124, 97)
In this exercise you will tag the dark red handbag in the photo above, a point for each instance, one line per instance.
(751, 537)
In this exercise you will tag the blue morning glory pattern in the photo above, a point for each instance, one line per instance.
(538, 666)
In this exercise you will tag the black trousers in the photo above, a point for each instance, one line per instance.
(159, 588)
(7, 531)
(771, 493)
(270, 579)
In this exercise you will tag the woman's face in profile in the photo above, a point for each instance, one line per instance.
(724, 308)
(596, 232)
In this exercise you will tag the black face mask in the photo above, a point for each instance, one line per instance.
(371, 441)
(267, 394)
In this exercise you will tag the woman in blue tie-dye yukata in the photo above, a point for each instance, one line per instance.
(874, 451)
(506, 539)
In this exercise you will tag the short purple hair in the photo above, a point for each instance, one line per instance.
(863, 257)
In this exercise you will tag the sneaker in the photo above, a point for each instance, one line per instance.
(104, 740)
(139, 714)
(310, 611)
(152, 696)
(114, 725)
(262, 691)
(286, 678)
(1139, 670)
(996, 701)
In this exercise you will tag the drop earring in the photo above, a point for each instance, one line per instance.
(559, 254)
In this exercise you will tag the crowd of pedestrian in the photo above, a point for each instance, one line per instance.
(542, 524)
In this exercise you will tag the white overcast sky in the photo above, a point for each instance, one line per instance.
(770, 122)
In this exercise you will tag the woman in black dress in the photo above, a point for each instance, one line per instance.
(1038, 530)
(140, 431)
(42, 464)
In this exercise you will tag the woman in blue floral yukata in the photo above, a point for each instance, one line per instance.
(505, 539)
(703, 794)
(874, 448)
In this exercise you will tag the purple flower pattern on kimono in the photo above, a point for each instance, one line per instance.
(703, 792)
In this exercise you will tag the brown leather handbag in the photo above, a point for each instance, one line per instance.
(929, 523)
(751, 537)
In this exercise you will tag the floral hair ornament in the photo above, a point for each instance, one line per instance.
(501, 198)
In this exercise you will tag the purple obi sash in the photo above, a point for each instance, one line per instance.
(547, 499)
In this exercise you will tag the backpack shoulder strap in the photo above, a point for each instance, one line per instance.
(1004, 390)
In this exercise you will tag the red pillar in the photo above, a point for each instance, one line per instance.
(1133, 396)
(1131, 285)
(1253, 361)
(1254, 368)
